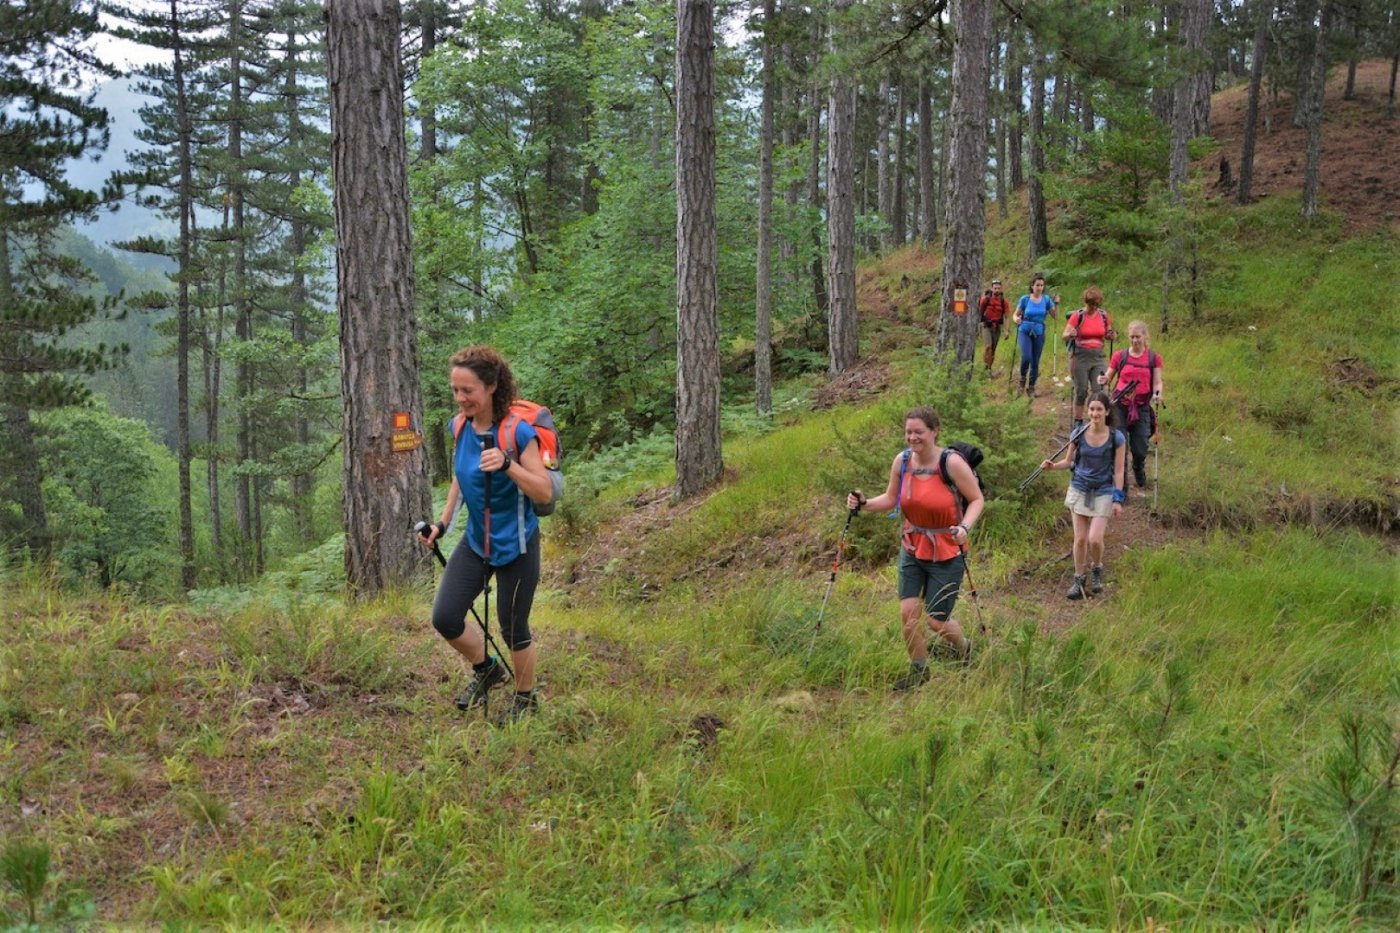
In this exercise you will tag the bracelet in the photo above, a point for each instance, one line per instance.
(963, 527)
(441, 528)
(1119, 497)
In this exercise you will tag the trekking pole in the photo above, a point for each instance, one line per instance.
(1074, 436)
(972, 591)
(1015, 347)
(835, 565)
(422, 528)
(1156, 460)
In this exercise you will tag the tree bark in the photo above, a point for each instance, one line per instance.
(242, 301)
(698, 455)
(1263, 14)
(814, 185)
(1305, 15)
(841, 217)
(763, 286)
(999, 132)
(1317, 91)
(898, 208)
(184, 454)
(882, 160)
(1039, 228)
(385, 492)
(928, 206)
(1012, 90)
(967, 168)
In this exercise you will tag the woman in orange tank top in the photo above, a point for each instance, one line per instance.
(934, 539)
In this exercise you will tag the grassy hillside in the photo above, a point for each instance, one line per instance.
(1213, 743)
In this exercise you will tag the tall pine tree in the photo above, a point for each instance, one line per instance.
(44, 122)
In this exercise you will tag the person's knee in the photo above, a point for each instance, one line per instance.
(517, 634)
(449, 625)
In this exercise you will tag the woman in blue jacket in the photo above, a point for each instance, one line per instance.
(1032, 313)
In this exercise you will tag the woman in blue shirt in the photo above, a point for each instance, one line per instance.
(1032, 312)
(1095, 491)
(503, 531)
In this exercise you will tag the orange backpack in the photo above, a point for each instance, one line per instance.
(539, 418)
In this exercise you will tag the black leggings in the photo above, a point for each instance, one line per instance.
(465, 578)
(1139, 435)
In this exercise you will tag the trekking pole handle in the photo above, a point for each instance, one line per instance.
(423, 529)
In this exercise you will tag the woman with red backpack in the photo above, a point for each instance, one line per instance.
(1085, 333)
(1137, 413)
(929, 485)
(502, 538)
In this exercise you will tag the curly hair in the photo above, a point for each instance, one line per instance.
(926, 414)
(493, 370)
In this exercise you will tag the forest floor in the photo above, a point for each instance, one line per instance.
(1360, 171)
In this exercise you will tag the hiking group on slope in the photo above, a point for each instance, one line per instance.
(504, 479)
(934, 489)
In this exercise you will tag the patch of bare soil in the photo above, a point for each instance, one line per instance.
(1360, 170)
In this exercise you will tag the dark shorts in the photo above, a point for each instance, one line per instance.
(936, 581)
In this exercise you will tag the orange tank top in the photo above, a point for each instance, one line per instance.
(927, 502)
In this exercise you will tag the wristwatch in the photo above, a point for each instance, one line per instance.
(505, 464)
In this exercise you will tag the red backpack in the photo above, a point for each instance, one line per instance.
(538, 417)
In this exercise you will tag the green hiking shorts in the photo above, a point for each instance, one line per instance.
(936, 581)
(1088, 366)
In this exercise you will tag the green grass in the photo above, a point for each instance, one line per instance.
(1210, 747)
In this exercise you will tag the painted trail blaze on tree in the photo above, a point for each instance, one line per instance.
(385, 491)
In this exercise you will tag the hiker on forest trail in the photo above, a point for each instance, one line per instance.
(994, 310)
(1137, 414)
(929, 485)
(1095, 492)
(503, 531)
(1032, 313)
(1085, 333)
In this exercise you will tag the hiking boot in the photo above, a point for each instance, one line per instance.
(1030, 391)
(1076, 589)
(917, 677)
(482, 682)
(1096, 579)
(520, 706)
(1140, 474)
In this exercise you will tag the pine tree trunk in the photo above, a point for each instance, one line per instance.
(841, 216)
(763, 288)
(1012, 91)
(967, 169)
(814, 192)
(385, 492)
(698, 455)
(1039, 228)
(928, 206)
(1306, 13)
(242, 301)
(1317, 89)
(185, 196)
(1353, 57)
(898, 207)
(1245, 194)
(998, 110)
(882, 160)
